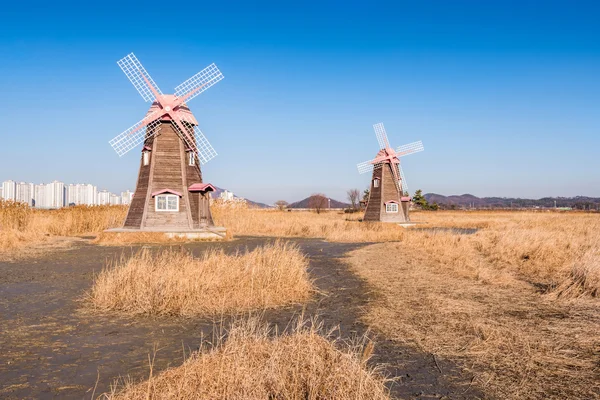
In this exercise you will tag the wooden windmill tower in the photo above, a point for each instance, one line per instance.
(170, 195)
(388, 198)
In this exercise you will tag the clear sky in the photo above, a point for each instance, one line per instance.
(505, 95)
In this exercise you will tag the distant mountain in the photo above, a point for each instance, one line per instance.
(304, 204)
(468, 200)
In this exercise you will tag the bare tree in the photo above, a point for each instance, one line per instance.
(317, 202)
(353, 197)
(281, 204)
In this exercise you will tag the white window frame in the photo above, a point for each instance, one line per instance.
(391, 208)
(166, 197)
(376, 182)
(191, 158)
(146, 157)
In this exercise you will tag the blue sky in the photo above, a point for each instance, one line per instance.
(505, 95)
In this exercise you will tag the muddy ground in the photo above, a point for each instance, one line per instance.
(50, 348)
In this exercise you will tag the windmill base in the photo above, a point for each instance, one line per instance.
(212, 233)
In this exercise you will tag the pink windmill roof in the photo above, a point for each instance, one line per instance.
(202, 187)
(183, 109)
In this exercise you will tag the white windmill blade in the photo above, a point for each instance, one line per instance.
(410, 148)
(367, 166)
(199, 144)
(139, 77)
(205, 150)
(381, 136)
(199, 82)
(404, 184)
(138, 133)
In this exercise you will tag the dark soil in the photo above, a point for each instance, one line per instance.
(50, 348)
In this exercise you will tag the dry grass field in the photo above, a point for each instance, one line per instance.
(252, 364)
(22, 226)
(174, 282)
(515, 303)
(333, 226)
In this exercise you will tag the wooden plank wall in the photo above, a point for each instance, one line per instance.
(136, 208)
(373, 211)
(167, 174)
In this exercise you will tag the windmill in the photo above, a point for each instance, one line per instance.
(170, 195)
(388, 196)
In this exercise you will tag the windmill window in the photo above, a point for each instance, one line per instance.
(191, 158)
(167, 202)
(376, 182)
(146, 157)
(391, 208)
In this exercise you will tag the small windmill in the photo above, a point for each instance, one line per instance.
(169, 195)
(388, 196)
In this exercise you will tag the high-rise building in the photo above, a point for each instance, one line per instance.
(104, 197)
(55, 194)
(24, 193)
(114, 199)
(226, 196)
(9, 190)
(81, 194)
(39, 196)
(126, 197)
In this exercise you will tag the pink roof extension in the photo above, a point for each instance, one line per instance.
(202, 187)
(166, 191)
(405, 198)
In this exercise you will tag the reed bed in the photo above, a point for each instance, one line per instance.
(330, 225)
(254, 364)
(537, 246)
(174, 282)
(21, 225)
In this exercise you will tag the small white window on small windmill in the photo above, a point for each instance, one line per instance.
(191, 158)
(376, 182)
(146, 157)
(166, 202)
(391, 207)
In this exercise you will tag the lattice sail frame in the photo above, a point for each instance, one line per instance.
(367, 166)
(149, 90)
(381, 135)
(404, 150)
(404, 185)
(199, 82)
(135, 72)
(410, 148)
(136, 134)
(200, 145)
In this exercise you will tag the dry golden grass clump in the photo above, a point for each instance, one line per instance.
(584, 279)
(80, 220)
(21, 225)
(15, 229)
(174, 282)
(253, 365)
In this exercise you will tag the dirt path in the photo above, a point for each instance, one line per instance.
(49, 348)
